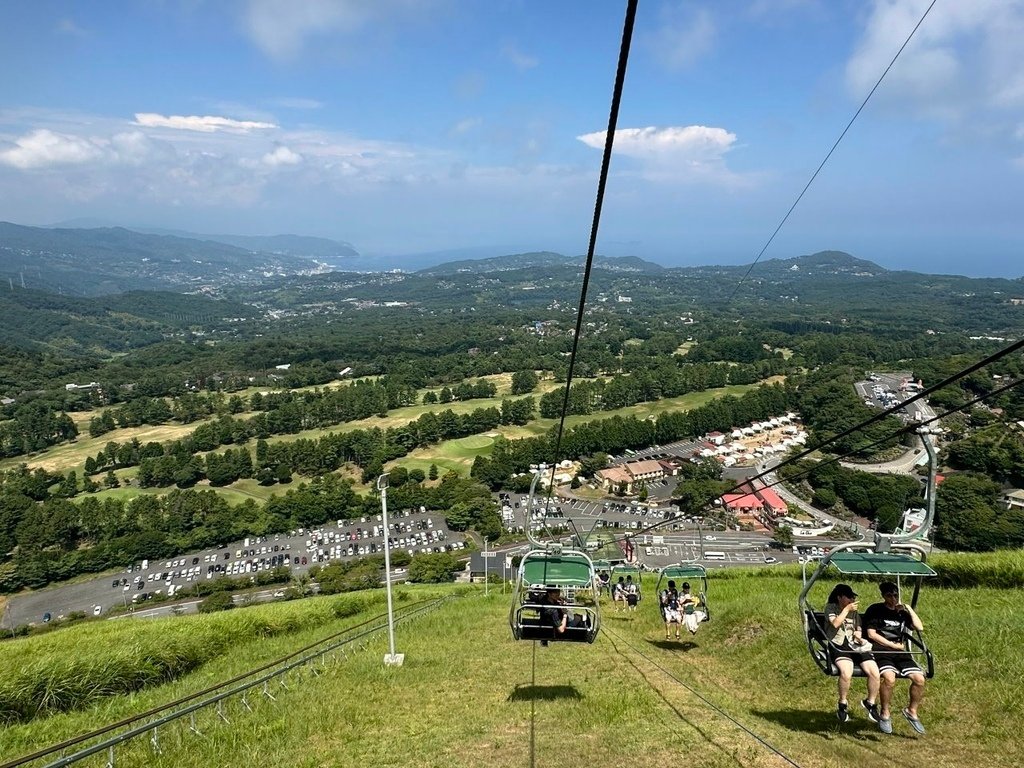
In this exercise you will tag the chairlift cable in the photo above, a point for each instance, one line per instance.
(609, 140)
(898, 433)
(833, 149)
(825, 462)
(994, 357)
(710, 704)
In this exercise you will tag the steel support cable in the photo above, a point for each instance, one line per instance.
(609, 140)
(994, 357)
(833, 149)
(711, 705)
(909, 429)
(204, 692)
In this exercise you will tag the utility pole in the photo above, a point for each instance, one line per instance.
(391, 659)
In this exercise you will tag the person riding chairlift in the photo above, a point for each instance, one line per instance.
(690, 605)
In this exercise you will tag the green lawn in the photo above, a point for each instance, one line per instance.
(67, 456)
(456, 455)
(468, 695)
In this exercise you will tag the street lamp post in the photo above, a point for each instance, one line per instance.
(391, 659)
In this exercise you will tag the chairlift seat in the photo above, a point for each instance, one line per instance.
(570, 571)
(851, 562)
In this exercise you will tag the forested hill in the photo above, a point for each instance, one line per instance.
(107, 324)
(94, 262)
(541, 259)
(821, 263)
(334, 253)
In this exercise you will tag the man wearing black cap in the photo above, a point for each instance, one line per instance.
(888, 624)
(850, 648)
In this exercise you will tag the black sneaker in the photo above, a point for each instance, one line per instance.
(843, 713)
(544, 643)
(871, 709)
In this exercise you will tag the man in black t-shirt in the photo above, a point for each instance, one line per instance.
(888, 623)
(554, 614)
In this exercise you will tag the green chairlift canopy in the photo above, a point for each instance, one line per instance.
(626, 570)
(556, 571)
(683, 572)
(878, 564)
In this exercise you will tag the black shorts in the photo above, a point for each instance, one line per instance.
(858, 659)
(632, 599)
(903, 664)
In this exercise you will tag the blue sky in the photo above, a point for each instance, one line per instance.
(406, 126)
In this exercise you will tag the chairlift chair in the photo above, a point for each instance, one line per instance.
(549, 566)
(890, 556)
(904, 561)
(568, 570)
(684, 572)
(627, 572)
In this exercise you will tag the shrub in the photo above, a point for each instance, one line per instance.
(218, 601)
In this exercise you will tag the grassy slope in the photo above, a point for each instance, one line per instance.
(467, 695)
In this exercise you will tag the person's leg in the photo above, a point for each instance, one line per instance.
(888, 683)
(845, 667)
(916, 692)
(870, 668)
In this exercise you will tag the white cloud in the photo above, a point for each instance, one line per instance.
(965, 57)
(114, 164)
(281, 27)
(691, 141)
(675, 153)
(520, 60)
(204, 124)
(44, 148)
(281, 156)
(684, 34)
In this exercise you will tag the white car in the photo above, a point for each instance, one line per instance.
(770, 560)
(709, 537)
(96, 610)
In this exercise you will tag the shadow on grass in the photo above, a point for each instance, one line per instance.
(815, 721)
(674, 645)
(544, 693)
(616, 615)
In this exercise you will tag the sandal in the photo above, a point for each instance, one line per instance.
(915, 723)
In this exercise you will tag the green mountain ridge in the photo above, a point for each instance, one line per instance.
(540, 259)
(93, 262)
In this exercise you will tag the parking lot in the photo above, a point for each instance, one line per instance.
(412, 532)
